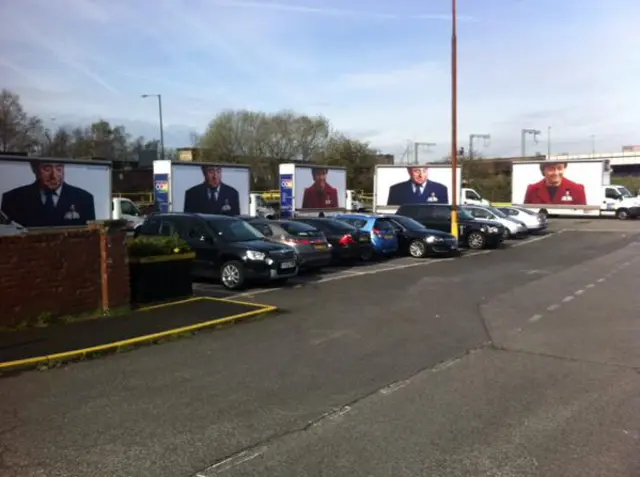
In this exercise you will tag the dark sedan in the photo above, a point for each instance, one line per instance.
(418, 241)
(347, 242)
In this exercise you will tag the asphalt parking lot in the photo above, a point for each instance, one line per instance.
(517, 362)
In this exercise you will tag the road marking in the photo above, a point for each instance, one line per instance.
(579, 292)
(535, 318)
(532, 240)
(394, 387)
(233, 461)
(567, 299)
(590, 285)
(600, 280)
(553, 307)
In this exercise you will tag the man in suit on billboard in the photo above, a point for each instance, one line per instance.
(555, 188)
(418, 189)
(49, 201)
(320, 195)
(212, 196)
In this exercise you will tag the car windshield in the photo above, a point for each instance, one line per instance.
(624, 192)
(464, 214)
(236, 230)
(408, 223)
(300, 229)
(526, 211)
(498, 212)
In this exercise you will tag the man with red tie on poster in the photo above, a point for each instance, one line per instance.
(555, 188)
(320, 195)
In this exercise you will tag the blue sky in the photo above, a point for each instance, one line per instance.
(378, 69)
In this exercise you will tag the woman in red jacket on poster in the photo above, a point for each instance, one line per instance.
(554, 188)
(320, 195)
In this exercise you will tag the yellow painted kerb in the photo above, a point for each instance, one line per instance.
(67, 355)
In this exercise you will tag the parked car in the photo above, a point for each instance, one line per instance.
(9, 227)
(418, 241)
(226, 248)
(472, 233)
(314, 251)
(534, 221)
(513, 228)
(347, 242)
(381, 229)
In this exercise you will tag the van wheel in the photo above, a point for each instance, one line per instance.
(417, 249)
(232, 275)
(622, 214)
(476, 240)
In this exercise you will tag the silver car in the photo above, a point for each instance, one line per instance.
(310, 244)
(513, 228)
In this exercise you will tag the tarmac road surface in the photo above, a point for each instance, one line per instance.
(518, 362)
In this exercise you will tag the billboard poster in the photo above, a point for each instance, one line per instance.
(428, 184)
(560, 183)
(207, 188)
(320, 187)
(286, 196)
(39, 192)
(161, 192)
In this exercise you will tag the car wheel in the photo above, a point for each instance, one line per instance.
(622, 214)
(366, 255)
(476, 240)
(232, 275)
(417, 249)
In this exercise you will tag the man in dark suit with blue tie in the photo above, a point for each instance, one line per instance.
(212, 196)
(49, 201)
(418, 189)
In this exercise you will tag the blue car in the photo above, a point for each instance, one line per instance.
(381, 229)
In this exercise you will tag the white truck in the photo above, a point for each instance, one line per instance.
(471, 197)
(126, 209)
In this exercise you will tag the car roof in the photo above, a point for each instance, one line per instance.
(201, 216)
(361, 216)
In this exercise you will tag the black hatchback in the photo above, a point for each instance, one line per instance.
(418, 241)
(347, 242)
(226, 248)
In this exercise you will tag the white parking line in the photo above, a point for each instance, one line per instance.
(531, 240)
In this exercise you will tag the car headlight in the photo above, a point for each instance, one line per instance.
(493, 230)
(434, 239)
(254, 255)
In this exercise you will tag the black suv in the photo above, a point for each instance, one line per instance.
(473, 233)
(226, 248)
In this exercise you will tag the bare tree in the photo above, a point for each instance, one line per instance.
(19, 131)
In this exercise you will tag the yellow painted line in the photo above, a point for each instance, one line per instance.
(67, 355)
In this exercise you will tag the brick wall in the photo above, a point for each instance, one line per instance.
(59, 273)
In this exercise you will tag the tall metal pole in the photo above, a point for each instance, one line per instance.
(472, 138)
(454, 119)
(159, 96)
(161, 127)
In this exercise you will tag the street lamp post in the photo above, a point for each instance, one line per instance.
(159, 96)
(523, 138)
(472, 138)
(454, 119)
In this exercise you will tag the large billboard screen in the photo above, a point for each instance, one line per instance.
(560, 183)
(320, 187)
(419, 184)
(39, 192)
(210, 188)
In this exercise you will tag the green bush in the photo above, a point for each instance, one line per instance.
(143, 246)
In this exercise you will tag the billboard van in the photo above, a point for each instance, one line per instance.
(207, 188)
(52, 192)
(396, 185)
(557, 184)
